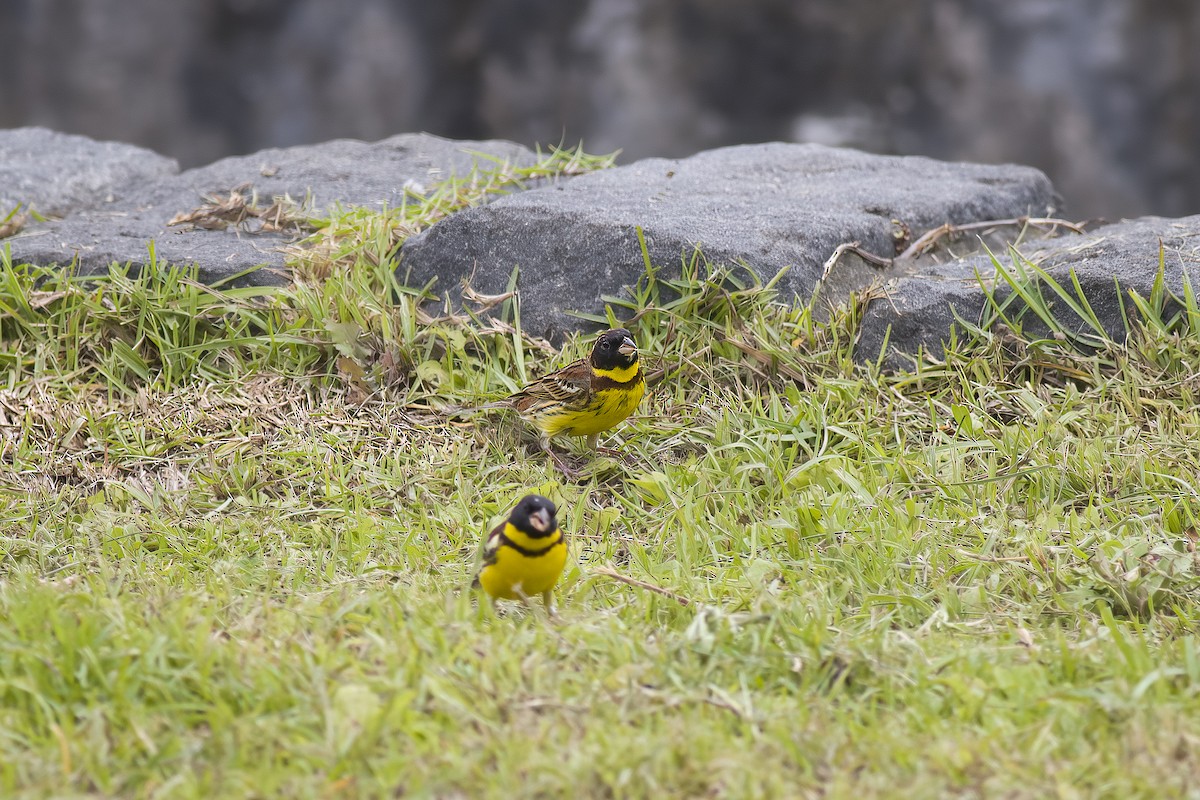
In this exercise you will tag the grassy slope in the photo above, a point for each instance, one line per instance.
(236, 532)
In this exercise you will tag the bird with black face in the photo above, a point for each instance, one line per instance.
(524, 555)
(587, 397)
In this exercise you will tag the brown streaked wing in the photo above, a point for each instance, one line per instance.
(492, 544)
(570, 387)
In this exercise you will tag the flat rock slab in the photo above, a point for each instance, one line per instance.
(920, 310)
(338, 172)
(56, 174)
(765, 207)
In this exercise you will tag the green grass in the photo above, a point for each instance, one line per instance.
(237, 527)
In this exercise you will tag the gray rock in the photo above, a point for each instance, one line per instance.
(339, 172)
(758, 208)
(56, 173)
(350, 172)
(765, 206)
(920, 310)
(1098, 94)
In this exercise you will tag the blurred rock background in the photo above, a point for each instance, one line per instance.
(1101, 94)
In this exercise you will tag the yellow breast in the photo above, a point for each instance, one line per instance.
(606, 408)
(516, 573)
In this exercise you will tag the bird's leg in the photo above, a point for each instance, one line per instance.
(566, 469)
(592, 442)
(548, 600)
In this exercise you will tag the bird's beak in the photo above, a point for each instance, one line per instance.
(628, 347)
(540, 520)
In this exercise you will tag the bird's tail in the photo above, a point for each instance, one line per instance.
(465, 411)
